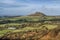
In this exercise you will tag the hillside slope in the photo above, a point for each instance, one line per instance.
(35, 26)
(53, 34)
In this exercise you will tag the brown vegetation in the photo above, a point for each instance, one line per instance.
(53, 34)
(37, 14)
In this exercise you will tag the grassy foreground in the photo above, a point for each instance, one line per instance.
(36, 27)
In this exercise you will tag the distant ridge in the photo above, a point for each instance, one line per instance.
(37, 14)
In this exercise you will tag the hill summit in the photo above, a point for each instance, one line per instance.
(37, 14)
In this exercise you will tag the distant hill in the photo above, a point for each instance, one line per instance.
(37, 14)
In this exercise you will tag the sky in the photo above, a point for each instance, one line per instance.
(25, 7)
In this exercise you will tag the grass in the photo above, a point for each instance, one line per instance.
(10, 24)
(27, 28)
(23, 17)
(36, 28)
(34, 18)
(2, 32)
(50, 26)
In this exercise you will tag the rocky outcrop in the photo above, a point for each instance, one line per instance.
(37, 14)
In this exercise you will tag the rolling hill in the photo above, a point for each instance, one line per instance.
(36, 26)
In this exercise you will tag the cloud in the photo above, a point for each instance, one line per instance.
(11, 5)
(8, 1)
(24, 7)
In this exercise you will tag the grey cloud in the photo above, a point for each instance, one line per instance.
(11, 5)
